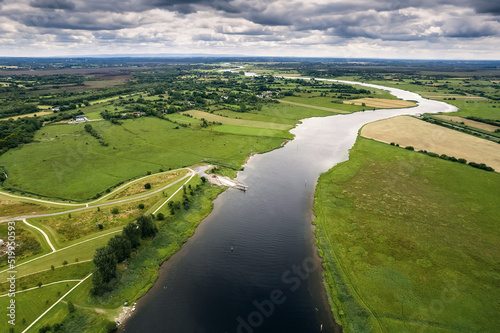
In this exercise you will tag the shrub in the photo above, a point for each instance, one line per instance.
(147, 186)
(409, 148)
(431, 154)
(114, 211)
(71, 307)
(160, 217)
(462, 160)
(141, 206)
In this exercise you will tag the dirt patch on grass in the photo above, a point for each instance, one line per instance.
(38, 114)
(313, 106)
(437, 95)
(15, 208)
(471, 123)
(236, 122)
(409, 131)
(381, 103)
(154, 181)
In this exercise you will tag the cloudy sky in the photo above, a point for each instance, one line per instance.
(420, 29)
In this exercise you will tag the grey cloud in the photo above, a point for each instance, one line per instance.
(53, 4)
(77, 22)
(470, 29)
(209, 38)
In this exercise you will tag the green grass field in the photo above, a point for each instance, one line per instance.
(31, 304)
(410, 242)
(75, 166)
(244, 130)
(255, 116)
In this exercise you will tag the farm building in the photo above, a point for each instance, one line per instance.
(81, 119)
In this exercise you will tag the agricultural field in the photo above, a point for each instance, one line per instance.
(409, 242)
(73, 187)
(409, 131)
(380, 103)
(236, 122)
(471, 123)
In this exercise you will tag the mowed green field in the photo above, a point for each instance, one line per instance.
(71, 164)
(410, 242)
(32, 303)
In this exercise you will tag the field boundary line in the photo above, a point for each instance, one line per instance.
(49, 269)
(43, 233)
(57, 302)
(64, 248)
(90, 202)
(102, 204)
(170, 197)
(339, 264)
(43, 285)
(133, 181)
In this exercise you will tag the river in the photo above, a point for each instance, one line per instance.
(252, 265)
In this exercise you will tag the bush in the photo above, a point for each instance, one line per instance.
(462, 160)
(431, 154)
(114, 211)
(71, 307)
(147, 186)
(141, 206)
(160, 217)
(409, 148)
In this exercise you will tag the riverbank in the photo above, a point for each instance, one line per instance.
(408, 242)
(141, 271)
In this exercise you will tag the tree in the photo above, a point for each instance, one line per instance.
(121, 247)
(71, 307)
(146, 226)
(160, 217)
(133, 234)
(105, 263)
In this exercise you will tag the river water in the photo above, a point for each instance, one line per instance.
(252, 265)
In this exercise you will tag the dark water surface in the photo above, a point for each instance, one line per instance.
(271, 280)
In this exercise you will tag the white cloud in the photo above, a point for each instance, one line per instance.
(341, 28)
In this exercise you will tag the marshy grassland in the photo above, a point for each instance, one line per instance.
(410, 242)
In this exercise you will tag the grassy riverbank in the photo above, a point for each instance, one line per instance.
(135, 276)
(409, 242)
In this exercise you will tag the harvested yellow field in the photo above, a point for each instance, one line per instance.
(313, 106)
(421, 135)
(236, 122)
(38, 114)
(381, 103)
(438, 95)
(471, 123)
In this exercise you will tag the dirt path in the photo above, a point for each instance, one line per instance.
(43, 233)
(89, 204)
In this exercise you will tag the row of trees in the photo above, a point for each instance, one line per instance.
(118, 249)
